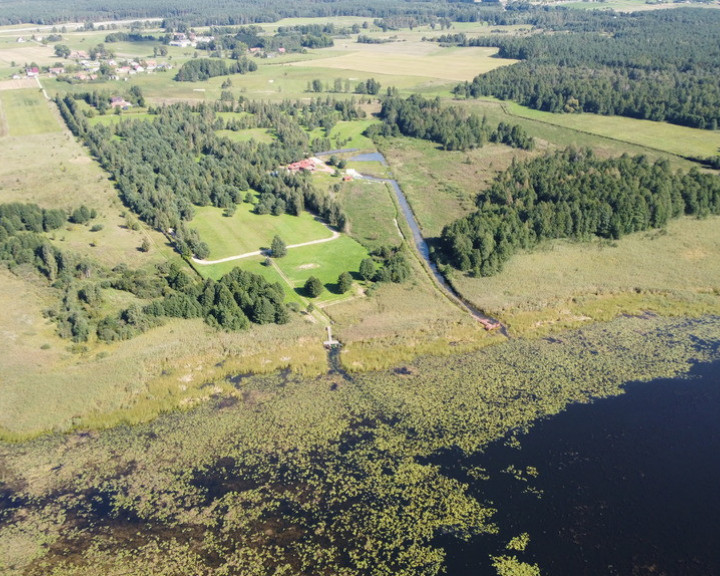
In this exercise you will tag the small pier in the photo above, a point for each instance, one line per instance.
(330, 342)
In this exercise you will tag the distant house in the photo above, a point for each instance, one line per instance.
(307, 165)
(20, 40)
(310, 165)
(32, 72)
(79, 55)
(57, 71)
(281, 50)
(119, 102)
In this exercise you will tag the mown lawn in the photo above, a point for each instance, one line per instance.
(246, 231)
(325, 261)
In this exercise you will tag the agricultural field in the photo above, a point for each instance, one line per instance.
(413, 59)
(659, 136)
(24, 112)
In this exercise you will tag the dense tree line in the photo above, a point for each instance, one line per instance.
(200, 69)
(572, 194)
(661, 65)
(129, 37)
(206, 13)
(163, 168)
(232, 303)
(451, 127)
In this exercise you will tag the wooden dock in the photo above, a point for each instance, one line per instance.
(330, 342)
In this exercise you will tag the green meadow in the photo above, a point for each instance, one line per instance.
(246, 231)
(24, 113)
(679, 140)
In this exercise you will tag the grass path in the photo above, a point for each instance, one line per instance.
(335, 236)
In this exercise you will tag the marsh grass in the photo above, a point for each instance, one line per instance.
(673, 271)
(371, 213)
(283, 470)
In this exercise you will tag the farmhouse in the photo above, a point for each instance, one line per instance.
(32, 72)
(310, 165)
(119, 102)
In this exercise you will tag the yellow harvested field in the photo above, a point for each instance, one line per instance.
(26, 53)
(18, 84)
(423, 59)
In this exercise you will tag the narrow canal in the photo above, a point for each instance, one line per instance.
(422, 245)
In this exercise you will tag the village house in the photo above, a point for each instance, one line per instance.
(56, 71)
(119, 102)
(32, 72)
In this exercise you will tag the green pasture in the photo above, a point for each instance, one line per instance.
(26, 112)
(371, 213)
(325, 261)
(246, 231)
(553, 135)
(680, 140)
(351, 134)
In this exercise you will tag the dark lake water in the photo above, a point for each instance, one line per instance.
(628, 486)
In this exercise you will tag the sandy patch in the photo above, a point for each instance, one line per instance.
(308, 266)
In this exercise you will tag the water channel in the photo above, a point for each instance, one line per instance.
(420, 242)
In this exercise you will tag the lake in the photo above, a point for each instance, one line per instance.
(624, 486)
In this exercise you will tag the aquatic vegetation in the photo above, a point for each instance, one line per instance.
(328, 475)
